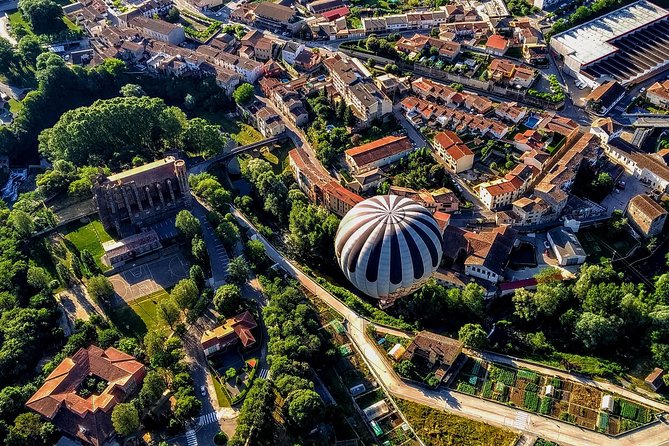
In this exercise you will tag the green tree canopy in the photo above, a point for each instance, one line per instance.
(129, 90)
(243, 93)
(100, 288)
(228, 299)
(168, 312)
(185, 293)
(473, 335)
(305, 408)
(238, 270)
(125, 419)
(187, 224)
(44, 16)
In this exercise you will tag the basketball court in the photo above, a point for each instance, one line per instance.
(150, 277)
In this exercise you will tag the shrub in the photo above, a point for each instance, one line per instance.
(546, 405)
(466, 388)
(531, 401)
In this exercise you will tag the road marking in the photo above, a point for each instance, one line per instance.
(191, 438)
(521, 420)
(207, 419)
(264, 373)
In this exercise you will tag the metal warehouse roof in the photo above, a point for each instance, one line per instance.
(590, 41)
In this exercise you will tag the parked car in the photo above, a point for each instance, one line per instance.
(547, 245)
(642, 90)
(621, 185)
(203, 391)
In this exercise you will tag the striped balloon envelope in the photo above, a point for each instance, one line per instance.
(388, 246)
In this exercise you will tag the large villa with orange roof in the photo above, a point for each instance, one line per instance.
(82, 413)
(234, 330)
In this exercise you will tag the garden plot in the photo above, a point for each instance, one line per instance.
(565, 400)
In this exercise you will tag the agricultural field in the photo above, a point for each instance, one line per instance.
(438, 428)
(550, 396)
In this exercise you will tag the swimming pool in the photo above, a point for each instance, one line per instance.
(532, 122)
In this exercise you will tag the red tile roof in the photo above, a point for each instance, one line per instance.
(497, 42)
(379, 149)
(525, 283)
(334, 14)
(88, 419)
(335, 189)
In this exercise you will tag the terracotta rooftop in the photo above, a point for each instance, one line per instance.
(379, 149)
(88, 419)
(335, 189)
(648, 206)
(660, 89)
(431, 344)
(497, 42)
(239, 326)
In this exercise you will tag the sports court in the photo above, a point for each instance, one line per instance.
(150, 277)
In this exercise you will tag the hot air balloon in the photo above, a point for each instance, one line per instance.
(388, 246)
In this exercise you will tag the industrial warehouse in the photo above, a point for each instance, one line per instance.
(627, 45)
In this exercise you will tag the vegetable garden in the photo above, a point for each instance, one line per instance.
(550, 396)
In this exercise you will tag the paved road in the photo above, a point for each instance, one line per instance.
(4, 32)
(297, 136)
(217, 254)
(465, 405)
(9, 5)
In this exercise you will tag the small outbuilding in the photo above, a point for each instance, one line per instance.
(566, 247)
(655, 379)
(646, 215)
(607, 403)
(396, 352)
(376, 410)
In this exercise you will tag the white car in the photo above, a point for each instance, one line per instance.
(203, 391)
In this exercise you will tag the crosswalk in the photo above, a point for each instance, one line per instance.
(264, 373)
(619, 109)
(191, 439)
(521, 420)
(207, 419)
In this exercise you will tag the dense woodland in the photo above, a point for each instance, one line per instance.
(123, 118)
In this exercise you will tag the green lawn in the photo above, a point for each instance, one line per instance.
(247, 135)
(137, 318)
(17, 20)
(221, 394)
(90, 237)
(242, 133)
(70, 24)
(598, 243)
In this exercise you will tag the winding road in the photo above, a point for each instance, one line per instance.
(656, 434)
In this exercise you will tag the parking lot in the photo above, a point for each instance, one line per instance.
(618, 199)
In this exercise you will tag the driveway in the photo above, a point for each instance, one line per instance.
(4, 32)
(618, 199)
(218, 257)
